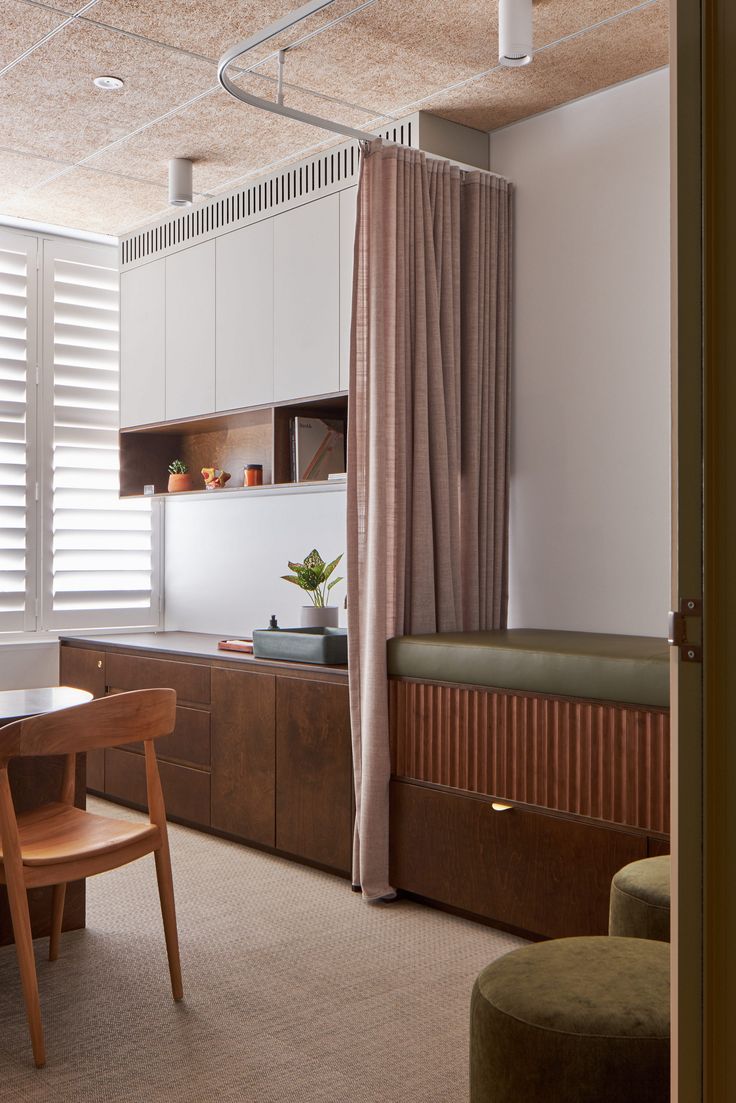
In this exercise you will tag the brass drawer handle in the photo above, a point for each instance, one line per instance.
(497, 806)
(99, 664)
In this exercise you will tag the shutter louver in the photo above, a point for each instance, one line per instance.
(102, 552)
(17, 345)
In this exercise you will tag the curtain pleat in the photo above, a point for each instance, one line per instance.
(427, 438)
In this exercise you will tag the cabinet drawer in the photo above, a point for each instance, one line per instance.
(188, 743)
(535, 872)
(191, 681)
(186, 791)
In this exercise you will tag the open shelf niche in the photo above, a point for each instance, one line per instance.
(226, 440)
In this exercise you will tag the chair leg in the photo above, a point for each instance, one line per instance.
(57, 916)
(18, 900)
(168, 913)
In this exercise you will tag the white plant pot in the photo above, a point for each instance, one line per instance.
(314, 616)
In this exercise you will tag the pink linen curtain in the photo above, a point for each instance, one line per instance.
(427, 438)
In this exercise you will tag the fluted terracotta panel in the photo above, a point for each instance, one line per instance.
(607, 761)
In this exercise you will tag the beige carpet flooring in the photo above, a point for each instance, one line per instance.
(294, 990)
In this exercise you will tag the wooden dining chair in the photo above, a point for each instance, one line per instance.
(57, 843)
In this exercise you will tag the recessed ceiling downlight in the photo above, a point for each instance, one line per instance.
(108, 84)
(515, 33)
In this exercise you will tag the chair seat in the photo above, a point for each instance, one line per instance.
(57, 833)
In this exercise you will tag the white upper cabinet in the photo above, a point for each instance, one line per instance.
(244, 338)
(142, 344)
(307, 300)
(348, 213)
(190, 332)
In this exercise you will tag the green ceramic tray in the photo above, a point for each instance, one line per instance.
(328, 646)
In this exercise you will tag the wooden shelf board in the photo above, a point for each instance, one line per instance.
(316, 487)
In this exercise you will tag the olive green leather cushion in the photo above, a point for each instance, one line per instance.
(632, 669)
(640, 900)
(575, 1020)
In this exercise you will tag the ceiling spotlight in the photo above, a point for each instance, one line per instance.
(180, 182)
(515, 41)
(108, 84)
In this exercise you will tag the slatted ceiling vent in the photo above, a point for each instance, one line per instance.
(13, 436)
(102, 548)
(319, 175)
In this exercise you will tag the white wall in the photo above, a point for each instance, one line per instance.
(590, 490)
(27, 665)
(224, 557)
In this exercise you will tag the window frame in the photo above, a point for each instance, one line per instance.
(40, 621)
(27, 621)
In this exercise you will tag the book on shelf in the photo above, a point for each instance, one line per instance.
(317, 448)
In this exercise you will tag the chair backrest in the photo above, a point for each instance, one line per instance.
(107, 722)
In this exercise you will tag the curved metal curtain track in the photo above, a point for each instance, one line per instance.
(278, 107)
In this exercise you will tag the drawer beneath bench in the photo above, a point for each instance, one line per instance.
(519, 868)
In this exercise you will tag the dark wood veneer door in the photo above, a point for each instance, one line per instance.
(539, 873)
(243, 754)
(314, 772)
(85, 669)
(186, 791)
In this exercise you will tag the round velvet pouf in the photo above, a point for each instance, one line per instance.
(575, 1020)
(640, 900)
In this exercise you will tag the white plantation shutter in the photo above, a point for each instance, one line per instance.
(18, 325)
(100, 566)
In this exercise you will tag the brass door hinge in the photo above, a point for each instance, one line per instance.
(691, 608)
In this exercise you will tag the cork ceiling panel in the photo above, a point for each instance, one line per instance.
(102, 157)
(390, 54)
(18, 171)
(21, 25)
(77, 117)
(118, 201)
(574, 68)
(210, 27)
(224, 138)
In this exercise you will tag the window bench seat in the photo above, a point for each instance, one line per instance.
(526, 765)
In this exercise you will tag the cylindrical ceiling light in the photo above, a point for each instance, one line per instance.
(515, 41)
(180, 182)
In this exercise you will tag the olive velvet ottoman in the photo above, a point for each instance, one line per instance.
(574, 1020)
(640, 900)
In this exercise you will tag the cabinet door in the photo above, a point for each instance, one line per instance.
(190, 332)
(243, 754)
(244, 312)
(348, 213)
(538, 873)
(314, 782)
(307, 300)
(85, 669)
(142, 344)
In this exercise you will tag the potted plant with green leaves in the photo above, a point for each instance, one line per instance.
(314, 576)
(179, 477)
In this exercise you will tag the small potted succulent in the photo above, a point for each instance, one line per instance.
(179, 477)
(312, 576)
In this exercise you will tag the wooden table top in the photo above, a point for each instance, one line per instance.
(16, 704)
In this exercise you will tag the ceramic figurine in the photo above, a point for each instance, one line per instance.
(214, 478)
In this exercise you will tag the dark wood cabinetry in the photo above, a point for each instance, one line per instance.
(244, 759)
(85, 669)
(517, 867)
(314, 790)
(261, 751)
